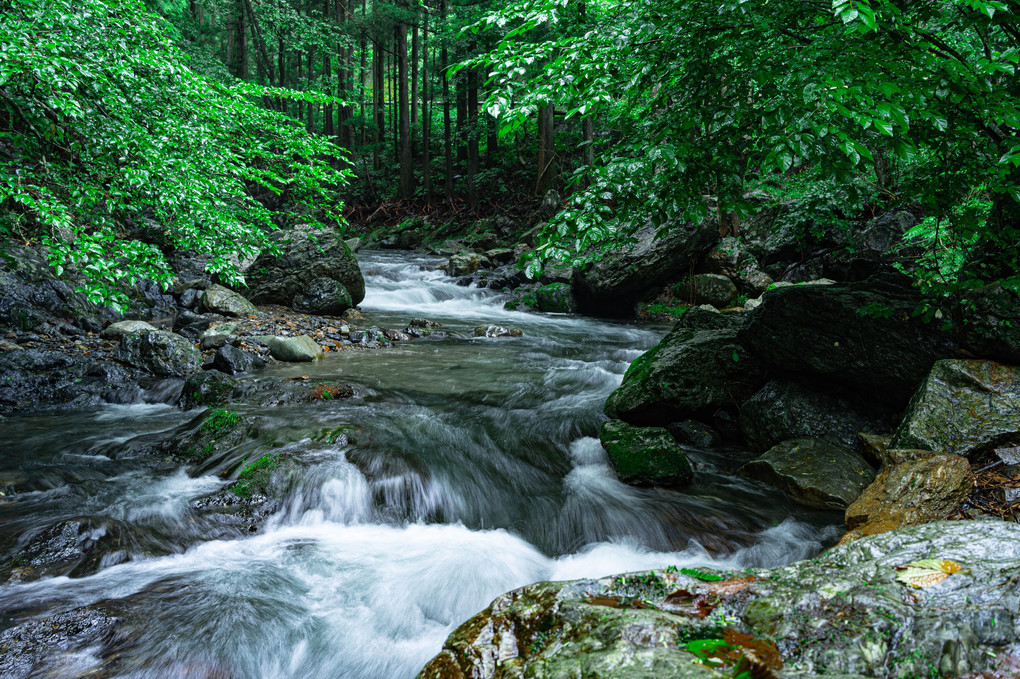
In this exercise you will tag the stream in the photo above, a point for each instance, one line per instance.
(468, 467)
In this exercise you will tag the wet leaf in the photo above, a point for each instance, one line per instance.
(685, 602)
(729, 586)
(927, 572)
(616, 602)
(758, 651)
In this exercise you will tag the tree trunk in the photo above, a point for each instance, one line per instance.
(327, 75)
(414, 75)
(462, 118)
(362, 73)
(242, 43)
(546, 149)
(447, 139)
(426, 116)
(406, 163)
(378, 83)
(473, 134)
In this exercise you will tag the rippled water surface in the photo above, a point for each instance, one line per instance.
(470, 468)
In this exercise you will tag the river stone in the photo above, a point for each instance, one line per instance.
(645, 455)
(216, 336)
(710, 288)
(495, 331)
(161, 353)
(305, 256)
(783, 410)
(694, 433)
(815, 473)
(841, 615)
(861, 336)
(324, 296)
(614, 284)
(555, 298)
(232, 360)
(354, 244)
(116, 330)
(697, 369)
(220, 300)
(294, 349)
(466, 263)
(964, 407)
(927, 488)
(70, 643)
(207, 388)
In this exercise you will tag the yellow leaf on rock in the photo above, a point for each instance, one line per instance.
(927, 572)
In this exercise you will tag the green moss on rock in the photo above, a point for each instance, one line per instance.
(645, 455)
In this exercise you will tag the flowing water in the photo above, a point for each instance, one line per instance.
(467, 468)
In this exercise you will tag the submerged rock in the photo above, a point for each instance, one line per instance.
(926, 488)
(645, 455)
(207, 388)
(698, 368)
(842, 615)
(57, 645)
(964, 407)
(164, 354)
(495, 331)
(813, 472)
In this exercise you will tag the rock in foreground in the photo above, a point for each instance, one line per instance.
(843, 614)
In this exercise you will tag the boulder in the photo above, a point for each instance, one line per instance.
(964, 407)
(860, 336)
(466, 263)
(555, 298)
(73, 642)
(120, 328)
(33, 379)
(614, 284)
(304, 257)
(495, 331)
(698, 368)
(207, 388)
(709, 288)
(34, 296)
(215, 336)
(353, 244)
(325, 296)
(927, 487)
(232, 360)
(783, 410)
(844, 615)
(159, 352)
(293, 349)
(815, 473)
(645, 455)
(694, 433)
(219, 300)
(874, 248)
(988, 319)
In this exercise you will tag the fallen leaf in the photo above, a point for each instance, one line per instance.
(927, 572)
(616, 602)
(727, 587)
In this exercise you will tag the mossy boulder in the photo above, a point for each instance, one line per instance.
(324, 296)
(844, 615)
(964, 407)
(697, 369)
(164, 354)
(814, 472)
(555, 298)
(304, 257)
(268, 475)
(207, 388)
(645, 455)
(709, 288)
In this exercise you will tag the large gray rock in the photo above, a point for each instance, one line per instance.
(294, 349)
(220, 300)
(645, 455)
(862, 336)
(964, 407)
(325, 296)
(710, 288)
(614, 284)
(843, 615)
(31, 379)
(305, 256)
(783, 410)
(34, 297)
(121, 328)
(698, 368)
(161, 353)
(813, 472)
(232, 360)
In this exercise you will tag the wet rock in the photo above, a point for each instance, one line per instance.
(232, 360)
(190, 298)
(324, 296)
(964, 407)
(396, 335)
(923, 488)
(861, 336)
(874, 447)
(694, 433)
(216, 335)
(76, 548)
(989, 323)
(305, 256)
(714, 289)
(874, 248)
(354, 244)
(813, 472)
(645, 455)
(120, 328)
(501, 255)
(466, 263)
(161, 353)
(62, 645)
(613, 285)
(352, 315)
(842, 615)
(10, 346)
(495, 331)
(34, 296)
(293, 349)
(783, 410)
(555, 298)
(423, 323)
(697, 369)
(271, 475)
(207, 388)
(219, 300)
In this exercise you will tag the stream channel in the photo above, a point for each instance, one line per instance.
(470, 468)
